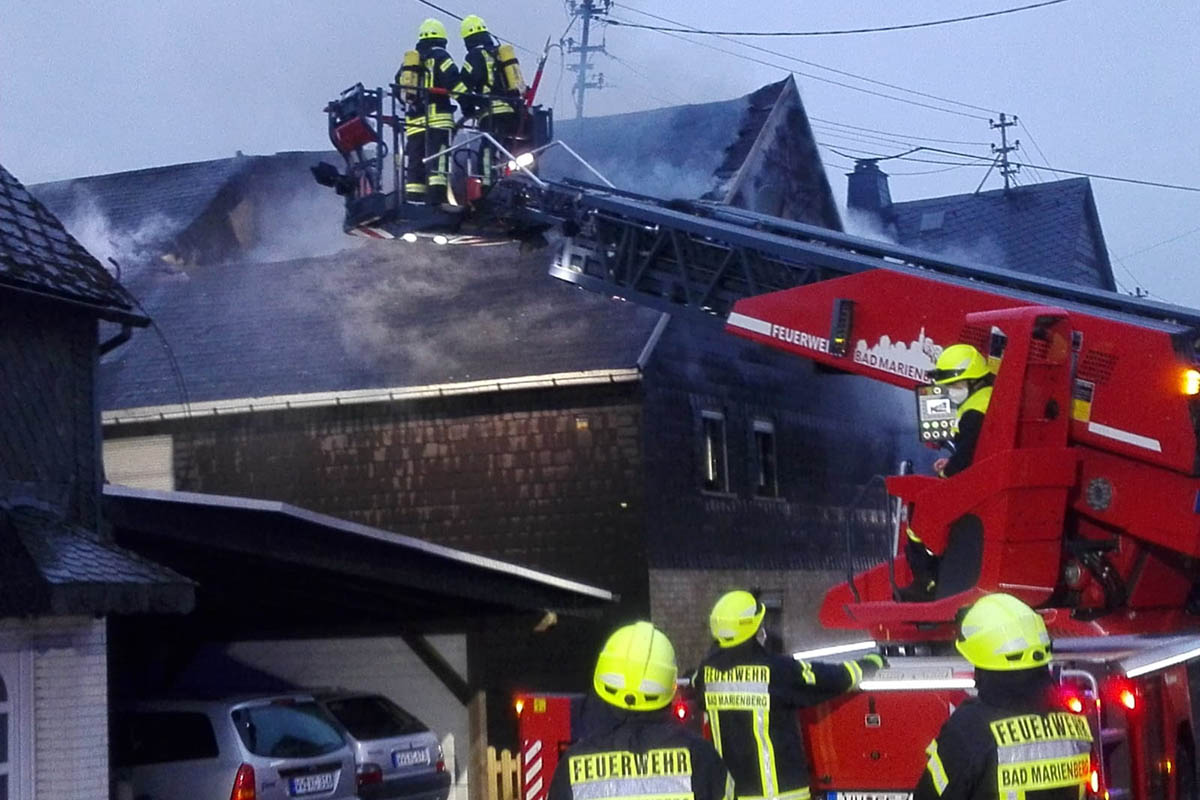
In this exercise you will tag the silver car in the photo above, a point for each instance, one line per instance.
(398, 757)
(264, 747)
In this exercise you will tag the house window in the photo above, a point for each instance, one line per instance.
(715, 473)
(142, 462)
(767, 480)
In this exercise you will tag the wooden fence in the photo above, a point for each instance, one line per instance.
(503, 775)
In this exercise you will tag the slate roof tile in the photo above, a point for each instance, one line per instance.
(37, 253)
(1033, 229)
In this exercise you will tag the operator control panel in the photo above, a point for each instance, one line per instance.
(935, 414)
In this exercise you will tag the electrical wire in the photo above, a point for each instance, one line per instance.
(816, 65)
(649, 81)
(846, 31)
(823, 79)
(458, 17)
(1160, 244)
(904, 136)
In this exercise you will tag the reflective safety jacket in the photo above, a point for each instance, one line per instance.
(968, 424)
(438, 71)
(640, 755)
(1022, 750)
(751, 698)
(480, 75)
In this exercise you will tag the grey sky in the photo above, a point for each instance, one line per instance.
(1102, 86)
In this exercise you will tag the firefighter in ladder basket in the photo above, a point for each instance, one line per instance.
(639, 752)
(968, 380)
(490, 90)
(1012, 740)
(426, 79)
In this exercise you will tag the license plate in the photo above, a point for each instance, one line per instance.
(408, 758)
(307, 784)
(872, 795)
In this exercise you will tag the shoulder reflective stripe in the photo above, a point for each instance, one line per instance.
(445, 65)
(936, 771)
(855, 671)
(806, 671)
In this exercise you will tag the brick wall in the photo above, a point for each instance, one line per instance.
(681, 600)
(48, 438)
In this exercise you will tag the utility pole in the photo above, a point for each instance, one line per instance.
(1006, 169)
(586, 10)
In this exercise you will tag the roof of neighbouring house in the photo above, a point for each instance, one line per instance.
(38, 256)
(1047, 229)
(313, 311)
(52, 567)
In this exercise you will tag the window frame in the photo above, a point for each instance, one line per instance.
(707, 483)
(764, 427)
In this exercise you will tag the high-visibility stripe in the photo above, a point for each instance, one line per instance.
(792, 794)
(750, 687)
(766, 752)
(936, 770)
(646, 786)
(1038, 751)
(855, 671)
(806, 671)
(534, 782)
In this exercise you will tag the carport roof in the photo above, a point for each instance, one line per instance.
(266, 557)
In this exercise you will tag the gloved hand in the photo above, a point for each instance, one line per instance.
(872, 663)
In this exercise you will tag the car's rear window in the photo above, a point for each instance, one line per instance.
(156, 737)
(373, 718)
(286, 730)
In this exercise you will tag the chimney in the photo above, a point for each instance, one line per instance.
(868, 187)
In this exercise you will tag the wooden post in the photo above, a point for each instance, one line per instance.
(478, 772)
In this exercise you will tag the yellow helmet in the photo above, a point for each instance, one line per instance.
(959, 362)
(735, 618)
(431, 29)
(1001, 633)
(636, 669)
(472, 24)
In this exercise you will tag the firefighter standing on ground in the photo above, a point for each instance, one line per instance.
(1012, 740)
(965, 374)
(426, 79)
(640, 752)
(751, 697)
(489, 90)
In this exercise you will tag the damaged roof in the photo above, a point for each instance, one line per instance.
(1047, 229)
(38, 256)
(257, 292)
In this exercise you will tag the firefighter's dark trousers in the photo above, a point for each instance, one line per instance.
(503, 128)
(425, 181)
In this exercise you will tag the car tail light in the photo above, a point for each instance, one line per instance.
(243, 784)
(369, 774)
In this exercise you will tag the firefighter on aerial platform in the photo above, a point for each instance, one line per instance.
(489, 90)
(1013, 739)
(639, 752)
(751, 697)
(968, 380)
(426, 79)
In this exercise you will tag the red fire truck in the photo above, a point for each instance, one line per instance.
(1083, 498)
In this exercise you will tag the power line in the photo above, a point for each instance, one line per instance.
(816, 65)
(845, 31)
(1037, 147)
(458, 17)
(823, 79)
(904, 136)
(1160, 244)
(649, 80)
